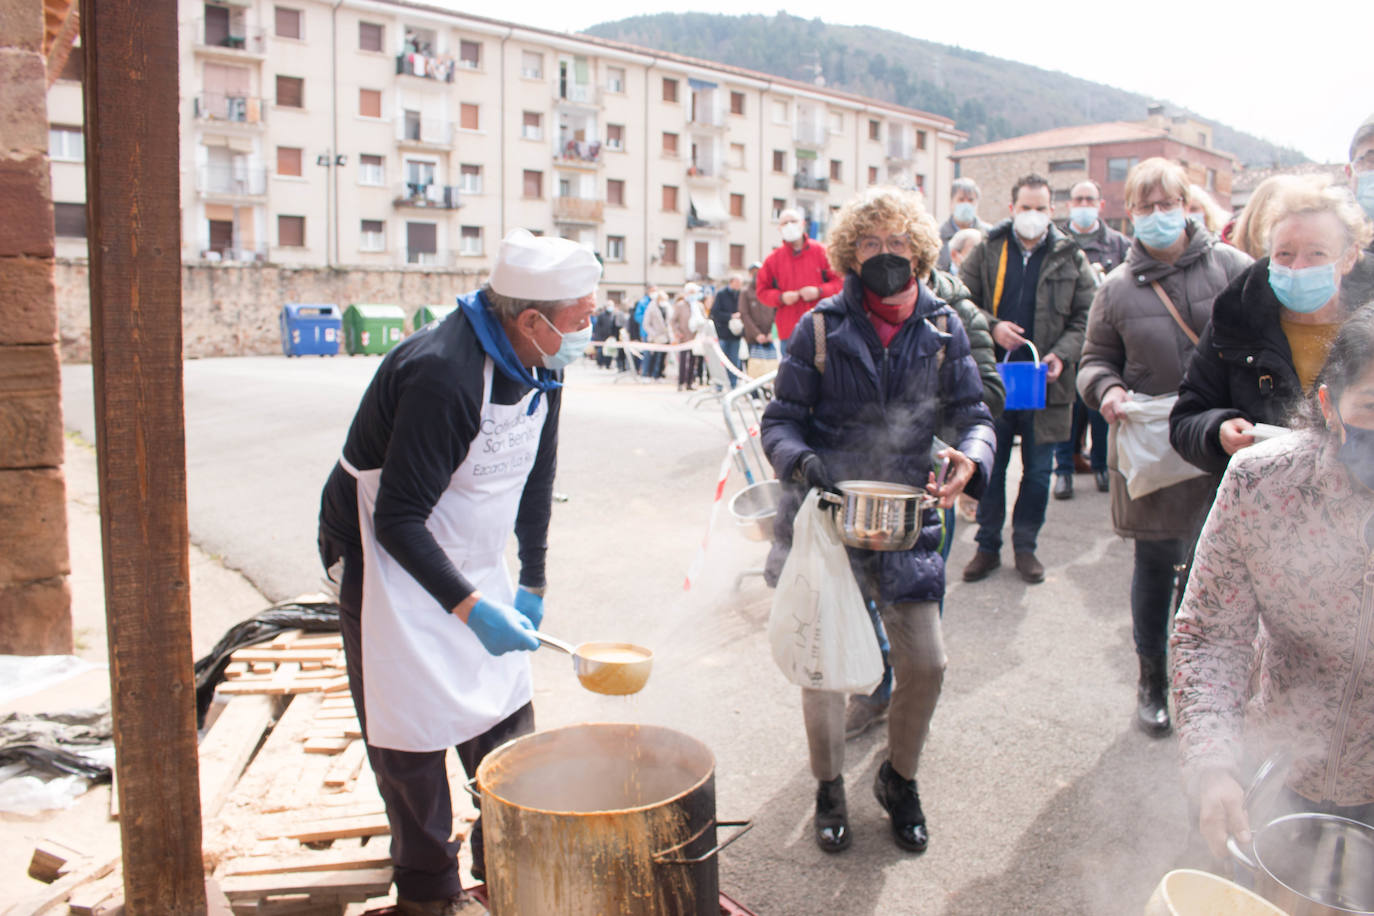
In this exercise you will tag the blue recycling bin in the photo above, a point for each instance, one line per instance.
(311, 329)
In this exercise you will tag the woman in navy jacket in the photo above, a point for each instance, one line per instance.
(897, 365)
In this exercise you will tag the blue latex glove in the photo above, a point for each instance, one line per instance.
(531, 605)
(501, 628)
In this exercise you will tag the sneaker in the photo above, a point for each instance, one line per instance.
(1063, 486)
(902, 803)
(1029, 567)
(981, 565)
(449, 906)
(862, 713)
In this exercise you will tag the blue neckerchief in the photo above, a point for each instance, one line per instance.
(497, 345)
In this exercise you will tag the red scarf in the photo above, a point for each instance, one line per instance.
(888, 315)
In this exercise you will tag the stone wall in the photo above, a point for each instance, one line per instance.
(233, 309)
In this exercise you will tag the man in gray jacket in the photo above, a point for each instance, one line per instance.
(1035, 286)
(963, 199)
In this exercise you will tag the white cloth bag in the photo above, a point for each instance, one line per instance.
(819, 628)
(1143, 454)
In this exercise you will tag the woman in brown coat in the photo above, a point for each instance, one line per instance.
(1134, 344)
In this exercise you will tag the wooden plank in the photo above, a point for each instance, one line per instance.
(133, 207)
(326, 745)
(236, 669)
(285, 638)
(228, 747)
(339, 684)
(61, 889)
(364, 825)
(96, 897)
(257, 654)
(336, 712)
(345, 768)
(325, 860)
(357, 884)
(50, 860)
(261, 667)
(320, 641)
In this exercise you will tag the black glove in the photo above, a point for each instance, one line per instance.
(811, 470)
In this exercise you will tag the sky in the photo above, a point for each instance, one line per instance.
(1299, 74)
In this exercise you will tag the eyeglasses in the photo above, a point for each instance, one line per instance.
(1157, 206)
(870, 245)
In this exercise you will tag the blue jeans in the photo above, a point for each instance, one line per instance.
(1097, 452)
(731, 348)
(1029, 514)
(653, 363)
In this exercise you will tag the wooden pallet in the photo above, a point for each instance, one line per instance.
(293, 662)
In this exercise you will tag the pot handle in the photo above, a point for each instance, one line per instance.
(470, 787)
(1240, 857)
(663, 858)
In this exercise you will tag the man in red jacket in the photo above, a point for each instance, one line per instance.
(795, 276)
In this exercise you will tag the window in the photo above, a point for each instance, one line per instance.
(69, 220)
(531, 65)
(875, 129)
(920, 139)
(737, 257)
(369, 36)
(289, 160)
(1068, 165)
(1202, 138)
(371, 170)
(779, 160)
(616, 296)
(835, 170)
(615, 79)
(737, 103)
(288, 23)
(291, 231)
(670, 198)
(781, 112)
(737, 155)
(921, 183)
(470, 54)
(370, 103)
(534, 183)
(290, 92)
(467, 116)
(669, 144)
(836, 122)
(872, 174)
(670, 251)
(372, 235)
(565, 186)
(669, 91)
(64, 143)
(779, 205)
(1211, 180)
(737, 206)
(615, 136)
(1117, 168)
(615, 192)
(532, 127)
(615, 247)
(1060, 194)
(422, 243)
(470, 179)
(470, 240)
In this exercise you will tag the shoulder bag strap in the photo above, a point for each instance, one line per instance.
(818, 322)
(1168, 304)
(1001, 277)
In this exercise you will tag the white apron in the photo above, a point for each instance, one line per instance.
(428, 683)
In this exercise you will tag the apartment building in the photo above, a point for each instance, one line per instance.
(373, 133)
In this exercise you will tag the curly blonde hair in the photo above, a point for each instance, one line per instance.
(1317, 194)
(878, 208)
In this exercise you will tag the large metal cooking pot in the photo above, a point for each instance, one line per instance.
(874, 515)
(611, 819)
(1313, 864)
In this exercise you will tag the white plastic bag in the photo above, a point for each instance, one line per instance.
(819, 628)
(1143, 453)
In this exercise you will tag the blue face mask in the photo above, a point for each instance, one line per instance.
(574, 345)
(1303, 290)
(1364, 192)
(1083, 218)
(965, 213)
(1161, 228)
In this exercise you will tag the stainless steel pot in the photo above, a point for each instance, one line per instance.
(874, 515)
(754, 509)
(1313, 864)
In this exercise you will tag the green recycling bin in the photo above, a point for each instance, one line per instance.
(427, 313)
(371, 328)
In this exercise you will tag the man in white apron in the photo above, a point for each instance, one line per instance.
(453, 448)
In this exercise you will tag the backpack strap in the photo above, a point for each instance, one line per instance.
(942, 325)
(818, 322)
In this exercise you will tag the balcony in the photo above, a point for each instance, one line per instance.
(229, 181)
(577, 210)
(577, 95)
(708, 120)
(579, 153)
(705, 173)
(249, 111)
(810, 134)
(428, 259)
(237, 42)
(900, 151)
(255, 255)
(427, 196)
(425, 66)
(424, 132)
(804, 182)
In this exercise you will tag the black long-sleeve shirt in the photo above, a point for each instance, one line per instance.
(416, 422)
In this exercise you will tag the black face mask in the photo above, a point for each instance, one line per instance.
(885, 274)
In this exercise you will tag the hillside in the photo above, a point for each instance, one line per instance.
(990, 98)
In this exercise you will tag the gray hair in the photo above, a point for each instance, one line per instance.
(508, 308)
(964, 239)
(967, 185)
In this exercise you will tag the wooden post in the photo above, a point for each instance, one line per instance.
(134, 225)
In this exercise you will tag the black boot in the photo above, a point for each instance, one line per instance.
(902, 802)
(1151, 700)
(832, 816)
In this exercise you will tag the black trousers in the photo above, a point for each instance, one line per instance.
(414, 786)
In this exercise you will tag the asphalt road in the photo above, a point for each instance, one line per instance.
(1041, 797)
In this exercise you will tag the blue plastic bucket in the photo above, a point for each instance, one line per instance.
(1025, 382)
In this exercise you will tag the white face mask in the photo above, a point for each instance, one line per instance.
(1030, 224)
(791, 231)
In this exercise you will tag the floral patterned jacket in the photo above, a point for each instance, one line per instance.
(1272, 646)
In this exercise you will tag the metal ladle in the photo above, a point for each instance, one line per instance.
(611, 668)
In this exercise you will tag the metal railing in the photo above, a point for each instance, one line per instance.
(232, 181)
(428, 259)
(251, 255)
(438, 196)
(810, 133)
(901, 150)
(574, 151)
(804, 182)
(238, 109)
(707, 116)
(250, 40)
(578, 209)
(413, 63)
(436, 131)
(577, 93)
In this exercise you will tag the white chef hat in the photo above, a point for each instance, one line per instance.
(543, 269)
